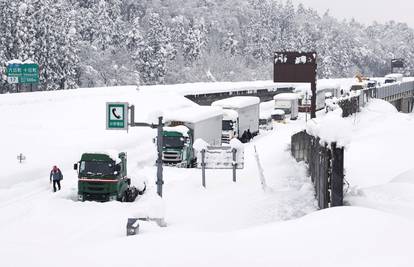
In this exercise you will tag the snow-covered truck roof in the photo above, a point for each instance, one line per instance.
(237, 102)
(193, 114)
(278, 112)
(179, 129)
(229, 114)
(286, 96)
(324, 84)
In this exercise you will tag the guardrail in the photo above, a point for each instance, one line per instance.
(390, 92)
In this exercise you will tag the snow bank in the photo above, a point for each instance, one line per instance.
(237, 102)
(381, 146)
(331, 128)
(200, 144)
(405, 177)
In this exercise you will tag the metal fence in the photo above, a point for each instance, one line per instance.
(326, 167)
(349, 106)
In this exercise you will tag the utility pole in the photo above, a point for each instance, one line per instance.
(159, 127)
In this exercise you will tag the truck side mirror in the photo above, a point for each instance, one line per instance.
(75, 166)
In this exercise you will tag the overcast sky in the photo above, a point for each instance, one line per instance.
(365, 11)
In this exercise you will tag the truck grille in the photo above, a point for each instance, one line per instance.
(171, 156)
(96, 197)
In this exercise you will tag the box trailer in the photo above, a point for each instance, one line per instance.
(288, 102)
(241, 117)
(183, 127)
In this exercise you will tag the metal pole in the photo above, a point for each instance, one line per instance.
(234, 151)
(313, 99)
(306, 110)
(159, 182)
(132, 109)
(203, 167)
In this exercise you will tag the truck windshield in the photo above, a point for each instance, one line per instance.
(173, 141)
(97, 168)
(227, 125)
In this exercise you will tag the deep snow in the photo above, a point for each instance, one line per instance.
(226, 224)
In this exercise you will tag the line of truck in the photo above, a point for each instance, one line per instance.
(234, 117)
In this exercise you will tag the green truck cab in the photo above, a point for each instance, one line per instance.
(177, 146)
(102, 178)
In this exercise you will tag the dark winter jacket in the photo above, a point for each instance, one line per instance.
(56, 175)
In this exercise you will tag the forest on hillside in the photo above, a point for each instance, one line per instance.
(90, 43)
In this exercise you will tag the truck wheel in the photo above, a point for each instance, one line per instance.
(123, 198)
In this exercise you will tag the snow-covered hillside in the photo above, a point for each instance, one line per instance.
(226, 224)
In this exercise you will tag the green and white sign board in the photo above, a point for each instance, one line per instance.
(22, 73)
(117, 115)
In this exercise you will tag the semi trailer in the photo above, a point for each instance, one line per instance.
(240, 115)
(287, 102)
(183, 127)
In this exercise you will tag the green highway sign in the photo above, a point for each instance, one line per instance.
(117, 115)
(22, 73)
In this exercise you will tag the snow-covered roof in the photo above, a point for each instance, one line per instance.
(179, 129)
(286, 96)
(193, 114)
(237, 102)
(278, 112)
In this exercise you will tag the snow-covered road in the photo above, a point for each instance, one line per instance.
(226, 224)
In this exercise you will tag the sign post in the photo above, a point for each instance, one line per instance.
(226, 157)
(117, 114)
(297, 67)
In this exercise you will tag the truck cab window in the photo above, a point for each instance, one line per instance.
(97, 168)
(227, 125)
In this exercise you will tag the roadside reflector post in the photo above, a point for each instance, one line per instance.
(160, 181)
(234, 163)
(203, 167)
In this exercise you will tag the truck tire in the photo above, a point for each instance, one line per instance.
(123, 198)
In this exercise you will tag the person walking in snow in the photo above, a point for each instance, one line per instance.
(55, 176)
(249, 135)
